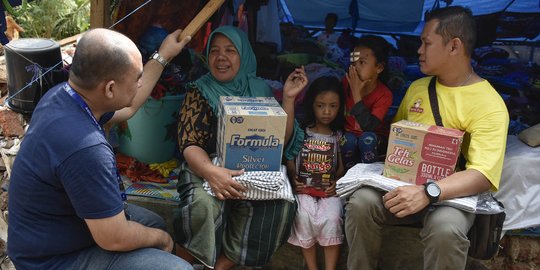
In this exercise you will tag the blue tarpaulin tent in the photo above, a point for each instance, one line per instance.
(405, 17)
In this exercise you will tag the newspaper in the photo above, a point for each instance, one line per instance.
(371, 175)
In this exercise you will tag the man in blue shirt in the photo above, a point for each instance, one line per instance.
(67, 206)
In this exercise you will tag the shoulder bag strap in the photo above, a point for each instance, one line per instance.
(437, 115)
(434, 102)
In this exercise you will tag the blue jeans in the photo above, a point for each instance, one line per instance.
(144, 258)
(359, 149)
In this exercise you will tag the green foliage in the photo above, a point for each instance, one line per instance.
(56, 19)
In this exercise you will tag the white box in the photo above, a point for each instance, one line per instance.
(251, 133)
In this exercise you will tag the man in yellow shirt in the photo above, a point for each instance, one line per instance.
(466, 102)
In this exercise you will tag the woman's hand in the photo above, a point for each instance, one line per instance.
(222, 184)
(295, 83)
(358, 86)
(331, 190)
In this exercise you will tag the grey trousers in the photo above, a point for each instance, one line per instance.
(444, 232)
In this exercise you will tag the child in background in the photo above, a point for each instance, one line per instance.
(367, 100)
(335, 44)
(315, 171)
(329, 37)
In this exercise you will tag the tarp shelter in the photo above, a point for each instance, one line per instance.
(511, 18)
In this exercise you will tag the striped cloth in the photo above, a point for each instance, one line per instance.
(247, 232)
(262, 185)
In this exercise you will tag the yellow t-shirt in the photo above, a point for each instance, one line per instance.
(476, 109)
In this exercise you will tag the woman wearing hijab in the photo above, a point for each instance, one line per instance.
(227, 230)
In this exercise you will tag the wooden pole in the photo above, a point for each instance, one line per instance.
(208, 10)
(99, 13)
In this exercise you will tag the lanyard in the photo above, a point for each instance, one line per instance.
(85, 107)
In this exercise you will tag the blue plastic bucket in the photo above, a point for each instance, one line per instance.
(151, 134)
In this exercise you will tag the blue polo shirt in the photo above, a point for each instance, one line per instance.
(64, 172)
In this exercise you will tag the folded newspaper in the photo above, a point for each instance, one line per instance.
(262, 185)
(371, 175)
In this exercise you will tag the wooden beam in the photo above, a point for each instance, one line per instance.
(99, 13)
(69, 40)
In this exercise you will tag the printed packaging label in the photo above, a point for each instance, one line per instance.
(315, 170)
(250, 133)
(418, 152)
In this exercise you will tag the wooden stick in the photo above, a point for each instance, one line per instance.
(208, 10)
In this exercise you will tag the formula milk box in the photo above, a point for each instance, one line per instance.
(418, 152)
(251, 132)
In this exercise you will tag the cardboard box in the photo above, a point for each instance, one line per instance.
(251, 133)
(418, 152)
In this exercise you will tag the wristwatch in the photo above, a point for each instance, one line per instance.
(433, 191)
(156, 56)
